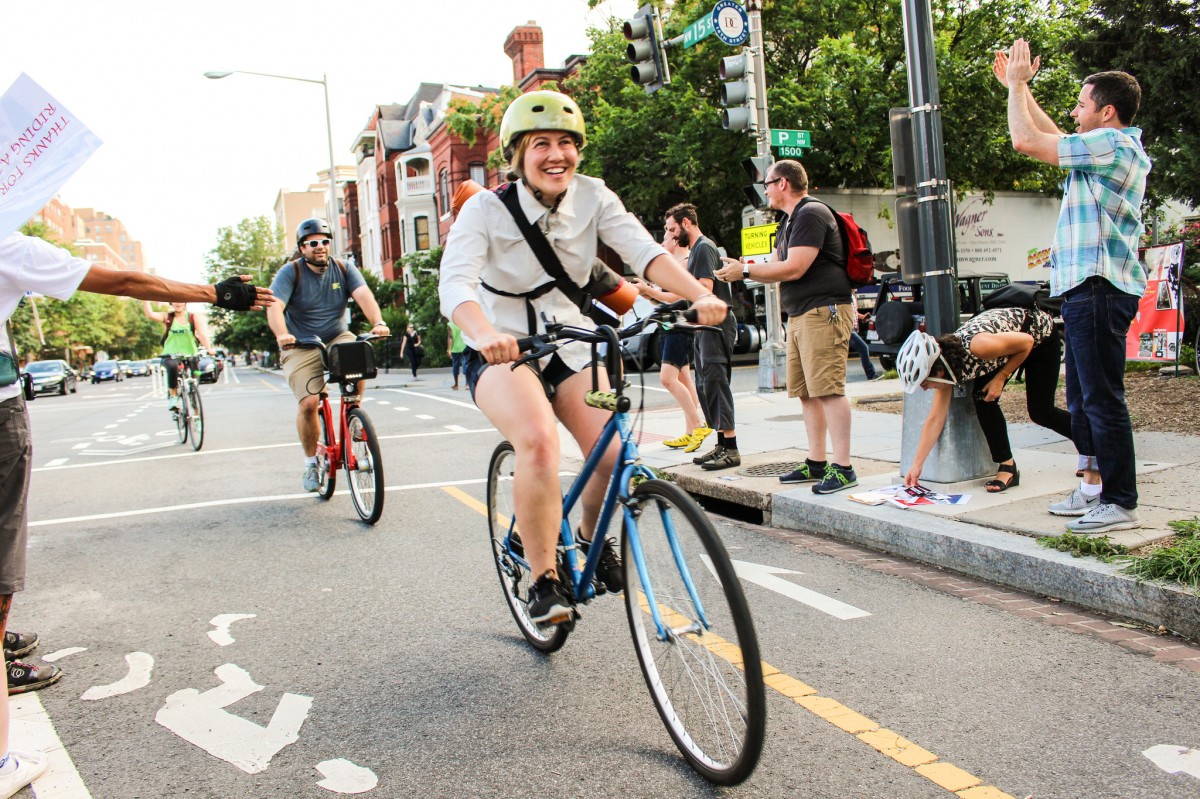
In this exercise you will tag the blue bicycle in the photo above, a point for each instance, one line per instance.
(691, 627)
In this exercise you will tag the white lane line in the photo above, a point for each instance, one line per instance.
(237, 501)
(30, 727)
(206, 453)
(59, 654)
(400, 408)
(424, 416)
(381, 402)
(55, 462)
(456, 428)
(342, 776)
(141, 666)
(109, 426)
(221, 636)
(84, 445)
(446, 400)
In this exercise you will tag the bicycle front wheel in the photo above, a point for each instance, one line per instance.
(326, 474)
(195, 417)
(366, 475)
(515, 578)
(181, 417)
(703, 670)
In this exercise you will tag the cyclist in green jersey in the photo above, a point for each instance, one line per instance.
(181, 333)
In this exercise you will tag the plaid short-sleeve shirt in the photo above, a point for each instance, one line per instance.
(1100, 221)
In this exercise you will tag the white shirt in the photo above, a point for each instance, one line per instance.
(31, 264)
(485, 245)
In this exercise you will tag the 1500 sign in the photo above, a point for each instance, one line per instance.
(790, 152)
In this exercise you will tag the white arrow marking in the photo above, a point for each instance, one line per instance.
(342, 776)
(765, 576)
(221, 636)
(140, 667)
(1175, 759)
(62, 653)
(200, 719)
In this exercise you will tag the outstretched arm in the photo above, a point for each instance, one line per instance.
(1027, 138)
(935, 422)
(1041, 119)
(153, 315)
(127, 283)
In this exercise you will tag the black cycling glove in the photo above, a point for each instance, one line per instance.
(235, 295)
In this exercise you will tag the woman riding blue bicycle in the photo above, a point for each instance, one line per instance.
(496, 289)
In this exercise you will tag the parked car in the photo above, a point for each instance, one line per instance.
(138, 369)
(124, 366)
(107, 370)
(899, 310)
(52, 377)
(210, 368)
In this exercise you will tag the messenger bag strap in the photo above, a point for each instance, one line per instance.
(544, 252)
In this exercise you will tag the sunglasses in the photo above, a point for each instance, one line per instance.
(316, 243)
(769, 182)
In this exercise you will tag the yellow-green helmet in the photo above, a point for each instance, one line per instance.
(541, 110)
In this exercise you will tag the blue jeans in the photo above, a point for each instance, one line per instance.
(458, 363)
(864, 354)
(1097, 317)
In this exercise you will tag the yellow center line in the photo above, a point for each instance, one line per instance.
(271, 386)
(945, 775)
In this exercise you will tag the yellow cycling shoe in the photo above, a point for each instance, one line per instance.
(698, 435)
(682, 441)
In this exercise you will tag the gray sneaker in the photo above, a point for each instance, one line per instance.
(1077, 503)
(723, 458)
(1104, 518)
(312, 480)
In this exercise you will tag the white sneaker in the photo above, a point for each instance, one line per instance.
(30, 766)
(1077, 503)
(1105, 517)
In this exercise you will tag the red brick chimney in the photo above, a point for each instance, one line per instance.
(524, 47)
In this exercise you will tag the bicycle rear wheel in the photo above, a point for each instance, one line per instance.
(705, 678)
(195, 417)
(366, 478)
(515, 578)
(181, 417)
(326, 476)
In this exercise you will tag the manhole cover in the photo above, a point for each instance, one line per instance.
(768, 469)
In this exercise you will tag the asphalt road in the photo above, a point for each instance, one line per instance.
(236, 637)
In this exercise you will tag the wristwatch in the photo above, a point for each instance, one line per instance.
(745, 271)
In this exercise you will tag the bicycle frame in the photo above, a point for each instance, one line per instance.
(628, 467)
(341, 430)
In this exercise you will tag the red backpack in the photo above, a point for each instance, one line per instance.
(860, 259)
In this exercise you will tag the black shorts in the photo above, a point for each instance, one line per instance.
(677, 349)
(553, 372)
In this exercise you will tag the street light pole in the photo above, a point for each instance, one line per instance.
(334, 216)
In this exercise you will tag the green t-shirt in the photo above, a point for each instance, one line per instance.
(456, 344)
(180, 339)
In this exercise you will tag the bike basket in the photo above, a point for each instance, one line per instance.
(351, 360)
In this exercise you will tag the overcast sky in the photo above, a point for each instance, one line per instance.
(184, 155)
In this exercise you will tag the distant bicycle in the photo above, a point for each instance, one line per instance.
(349, 440)
(189, 416)
(691, 627)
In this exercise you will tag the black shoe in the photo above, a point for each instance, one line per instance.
(725, 459)
(608, 570)
(24, 677)
(807, 472)
(18, 644)
(836, 478)
(712, 454)
(548, 601)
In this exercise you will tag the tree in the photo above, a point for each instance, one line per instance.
(1155, 41)
(423, 305)
(253, 247)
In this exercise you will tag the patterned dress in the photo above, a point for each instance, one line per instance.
(1036, 323)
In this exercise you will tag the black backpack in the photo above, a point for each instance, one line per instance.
(1023, 295)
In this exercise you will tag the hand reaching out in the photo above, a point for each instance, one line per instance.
(1020, 65)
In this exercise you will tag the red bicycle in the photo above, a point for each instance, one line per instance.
(350, 439)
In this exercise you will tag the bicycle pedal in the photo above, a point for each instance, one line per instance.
(564, 619)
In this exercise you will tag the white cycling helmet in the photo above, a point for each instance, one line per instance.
(916, 360)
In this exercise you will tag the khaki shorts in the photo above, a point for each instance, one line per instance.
(16, 460)
(303, 368)
(817, 346)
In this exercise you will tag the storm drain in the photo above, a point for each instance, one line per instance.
(768, 469)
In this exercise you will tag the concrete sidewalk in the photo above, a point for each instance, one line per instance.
(992, 537)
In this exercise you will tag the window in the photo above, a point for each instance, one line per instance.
(478, 173)
(421, 229)
(444, 192)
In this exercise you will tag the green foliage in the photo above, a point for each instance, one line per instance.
(423, 306)
(467, 120)
(1100, 547)
(834, 68)
(253, 247)
(1154, 40)
(1179, 563)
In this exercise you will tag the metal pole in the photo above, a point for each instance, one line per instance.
(772, 359)
(335, 219)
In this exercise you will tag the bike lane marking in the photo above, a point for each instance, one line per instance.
(890, 744)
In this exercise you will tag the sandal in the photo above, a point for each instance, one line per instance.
(997, 485)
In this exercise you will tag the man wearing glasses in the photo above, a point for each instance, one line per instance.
(311, 299)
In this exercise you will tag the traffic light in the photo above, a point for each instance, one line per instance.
(645, 51)
(738, 96)
(757, 168)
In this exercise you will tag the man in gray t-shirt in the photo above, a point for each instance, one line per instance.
(312, 293)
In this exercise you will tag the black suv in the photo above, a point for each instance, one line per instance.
(899, 310)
